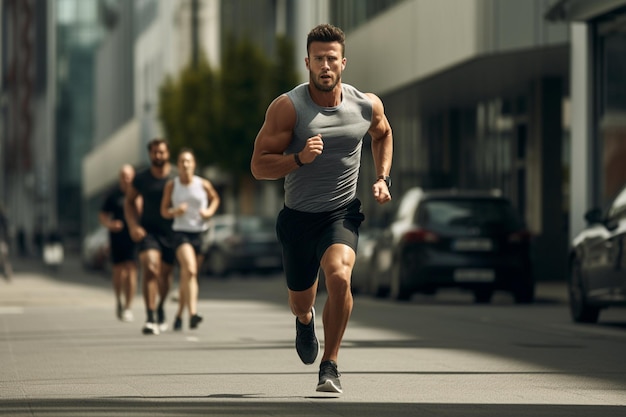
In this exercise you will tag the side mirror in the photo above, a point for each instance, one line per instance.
(594, 216)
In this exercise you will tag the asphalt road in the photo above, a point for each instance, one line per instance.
(63, 353)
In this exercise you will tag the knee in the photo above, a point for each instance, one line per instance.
(300, 309)
(188, 269)
(338, 281)
(151, 270)
(301, 302)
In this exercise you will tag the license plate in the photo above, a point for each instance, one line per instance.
(473, 244)
(474, 275)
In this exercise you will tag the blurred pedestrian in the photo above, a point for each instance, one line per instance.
(153, 233)
(123, 251)
(191, 201)
(5, 258)
(312, 136)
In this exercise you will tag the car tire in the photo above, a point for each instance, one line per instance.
(483, 295)
(581, 311)
(398, 290)
(524, 293)
(216, 263)
(374, 288)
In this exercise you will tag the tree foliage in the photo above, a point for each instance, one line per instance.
(218, 114)
(188, 110)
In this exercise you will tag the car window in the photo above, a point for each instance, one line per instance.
(618, 208)
(455, 214)
(255, 224)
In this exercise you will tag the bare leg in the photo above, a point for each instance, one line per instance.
(337, 264)
(151, 266)
(165, 282)
(301, 303)
(188, 279)
(118, 271)
(129, 283)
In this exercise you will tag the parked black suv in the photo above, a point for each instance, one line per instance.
(452, 238)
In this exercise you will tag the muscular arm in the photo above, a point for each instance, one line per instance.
(167, 212)
(214, 199)
(268, 161)
(382, 147)
(131, 213)
(132, 208)
(105, 220)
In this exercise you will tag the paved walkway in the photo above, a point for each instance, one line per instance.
(62, 353)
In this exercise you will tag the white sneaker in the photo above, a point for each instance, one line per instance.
(162, 327)
(150, 328)
(127, 316)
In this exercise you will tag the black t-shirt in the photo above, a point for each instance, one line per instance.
(114, 204)
(151, 188)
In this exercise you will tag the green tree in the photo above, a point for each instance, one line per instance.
(283, 76)
(188, 110)
(245, 94)
(219, 114)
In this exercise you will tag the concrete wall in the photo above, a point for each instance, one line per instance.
(410, 42)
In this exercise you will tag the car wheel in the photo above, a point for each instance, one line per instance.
(483, 295)
(524, 293)
(580, 309)
(216, 263)
(374, 287)
(398, 290)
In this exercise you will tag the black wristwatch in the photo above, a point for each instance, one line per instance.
(385, 178)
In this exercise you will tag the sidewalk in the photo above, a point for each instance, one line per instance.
(63, 353)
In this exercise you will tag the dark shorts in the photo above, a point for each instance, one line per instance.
(123, 250)
(162, 243)
(193, 238)
(306, 236)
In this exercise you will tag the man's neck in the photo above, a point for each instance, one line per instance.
(160, 172)
(326, 98)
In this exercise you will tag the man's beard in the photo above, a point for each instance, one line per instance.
(158, 163)
(324, 87)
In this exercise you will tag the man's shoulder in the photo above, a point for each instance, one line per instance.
(352, 90)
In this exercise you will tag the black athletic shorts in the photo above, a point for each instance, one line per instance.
(123, 251)
(306, 236)
(160, 242)
(193, 238)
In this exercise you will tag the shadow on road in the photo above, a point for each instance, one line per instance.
(246, 404)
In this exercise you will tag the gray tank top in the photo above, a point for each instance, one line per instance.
(330, 181)
(196, 198)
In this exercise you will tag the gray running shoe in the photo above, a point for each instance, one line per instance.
(307, 344)
(329, 378)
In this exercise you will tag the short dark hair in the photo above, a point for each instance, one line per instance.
(326, 33)
(188, 150)
(156, 142)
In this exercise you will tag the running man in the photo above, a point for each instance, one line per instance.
(153, 234)
(123, 248)
(312, 137)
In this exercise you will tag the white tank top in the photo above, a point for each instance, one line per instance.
(196, 198)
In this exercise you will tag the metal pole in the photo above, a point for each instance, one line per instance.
(194, 33)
